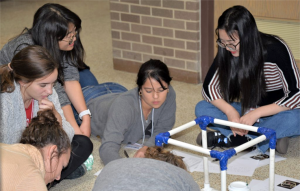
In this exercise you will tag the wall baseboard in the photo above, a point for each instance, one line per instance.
(177, 74)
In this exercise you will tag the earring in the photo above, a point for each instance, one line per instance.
(140, 93)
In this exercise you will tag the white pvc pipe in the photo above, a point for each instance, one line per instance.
(223, 180)
(205, 160)
(250, 143)
(272, 170)
(233, 124)
(182, 127)
(188, 146)
(240, 148)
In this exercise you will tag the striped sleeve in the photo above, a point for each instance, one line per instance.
(211, 85)
(289, 74)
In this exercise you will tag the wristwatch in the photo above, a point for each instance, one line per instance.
(85, 112)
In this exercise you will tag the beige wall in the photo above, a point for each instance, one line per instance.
(283, 11)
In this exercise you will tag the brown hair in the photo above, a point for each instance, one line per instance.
(29, 64)
(161, 154)
(44, 129)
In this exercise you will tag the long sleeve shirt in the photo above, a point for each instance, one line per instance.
(13, 115)
(117, 119)
(281, 76)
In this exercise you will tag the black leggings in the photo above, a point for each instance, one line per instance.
(81, 148)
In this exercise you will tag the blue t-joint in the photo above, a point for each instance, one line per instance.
(270, 134)
(203, 121)
(223, 157)
(162, 138)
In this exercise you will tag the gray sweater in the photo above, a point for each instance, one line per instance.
(117, 119)
(141, 174)
(13, 115)
(14, 46)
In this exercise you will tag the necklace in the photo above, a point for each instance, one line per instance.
(142, 119)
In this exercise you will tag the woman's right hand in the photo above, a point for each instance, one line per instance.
(46, 104)
(234, 116)
(231, 113)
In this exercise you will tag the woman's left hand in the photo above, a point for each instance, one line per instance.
(45, 104)
(141, 152)
(85, 126)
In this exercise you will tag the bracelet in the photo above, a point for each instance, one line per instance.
(85, 112)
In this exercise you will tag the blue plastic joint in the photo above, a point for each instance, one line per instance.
(162, 138)
(223, 157)
(203, 121)
(270, 134)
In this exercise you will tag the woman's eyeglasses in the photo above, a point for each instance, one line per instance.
(70, 36)
(231, 47)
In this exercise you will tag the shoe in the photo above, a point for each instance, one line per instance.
(214, 139)
(282, 145)
(79, 172)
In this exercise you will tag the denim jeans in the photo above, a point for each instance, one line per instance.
(285, 123)
(91, 92)
(87, 78)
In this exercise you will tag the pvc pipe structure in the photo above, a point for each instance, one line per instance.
(250, 143)
(182, 127)
(223, 180)
(205, 160)
(188, 146)
(164, 138)
(272, 170)
(237, 125)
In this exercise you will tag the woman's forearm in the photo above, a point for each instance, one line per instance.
(68, 113)
(222, 105)
(74, 92)
(269, 110)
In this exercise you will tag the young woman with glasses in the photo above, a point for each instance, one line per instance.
(253, 80)
(57, 29)
(127, 117)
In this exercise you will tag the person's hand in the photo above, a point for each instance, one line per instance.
(85, 126)
(45, 104)
(250, 118)
(141, 152)
(234, 116)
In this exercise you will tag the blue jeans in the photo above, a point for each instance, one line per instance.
(87, 78)
(91, 92)
(285, 123)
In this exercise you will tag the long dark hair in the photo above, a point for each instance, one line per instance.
(50, 25)
(155, 69)
(29, 64)
(241, 77)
